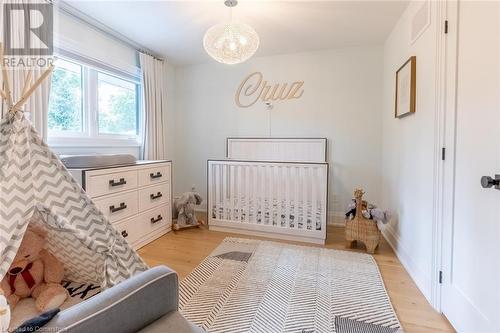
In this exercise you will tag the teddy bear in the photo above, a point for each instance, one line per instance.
(35, 273)
(184, 208)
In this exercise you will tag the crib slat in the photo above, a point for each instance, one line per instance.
(288, 182)
(314, 196)
(247, 193)
(225, 190)
(267, 196)
(284, 171)
(216, 187)
(323, 193)
(231, 192)
(269, 193)
(296, 197)
(255, 192)
(276, 202)
(236, 194)
(262, 175)
(303, 200)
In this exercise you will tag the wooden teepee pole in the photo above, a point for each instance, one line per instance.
(35, 85)
(2, 94)
(27, 81)
(6, 94)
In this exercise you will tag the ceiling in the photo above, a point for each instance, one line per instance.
(175, 29)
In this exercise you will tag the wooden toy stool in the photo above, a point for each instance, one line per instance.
(360, 228)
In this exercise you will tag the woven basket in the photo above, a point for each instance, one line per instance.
(360, 228)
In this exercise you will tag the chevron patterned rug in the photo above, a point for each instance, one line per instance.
(259, 286)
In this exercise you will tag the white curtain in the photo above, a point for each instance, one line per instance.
(38, 105)
(154, 136)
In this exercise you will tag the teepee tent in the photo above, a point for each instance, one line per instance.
(35, 187)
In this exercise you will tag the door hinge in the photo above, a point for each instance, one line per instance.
(446, 26)
(440, 276)
(443, 153)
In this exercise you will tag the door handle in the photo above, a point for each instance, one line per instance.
(487, 182)
(124, 233)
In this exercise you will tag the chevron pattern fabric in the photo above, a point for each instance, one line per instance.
(279, 287)
(36, 187)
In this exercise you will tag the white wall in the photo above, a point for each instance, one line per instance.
(342, 101)
(409, 152)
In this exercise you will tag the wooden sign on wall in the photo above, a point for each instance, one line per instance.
(254, 88)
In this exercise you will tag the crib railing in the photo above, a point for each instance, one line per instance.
(272, 199)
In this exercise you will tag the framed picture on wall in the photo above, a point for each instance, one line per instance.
(406, 88)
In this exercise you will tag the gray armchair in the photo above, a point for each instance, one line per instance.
(146, 303)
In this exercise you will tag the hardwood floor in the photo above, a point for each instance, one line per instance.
(184, 250)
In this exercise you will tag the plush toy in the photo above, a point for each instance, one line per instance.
(4, 313)
(370, 212)
(36, 273)
(184, 208)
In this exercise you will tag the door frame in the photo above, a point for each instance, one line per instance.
(445, 180)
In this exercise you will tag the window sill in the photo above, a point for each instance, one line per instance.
(92, 142)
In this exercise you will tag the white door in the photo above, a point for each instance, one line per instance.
(471, 293)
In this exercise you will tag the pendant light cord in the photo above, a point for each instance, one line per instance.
(270, 121)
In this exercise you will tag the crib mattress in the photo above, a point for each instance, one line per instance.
(281, 213)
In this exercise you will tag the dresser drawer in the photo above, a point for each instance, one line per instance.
(118, 206)
(153, 196)
(155, 219)
(112, 182)
(130, 230)
(157, 174)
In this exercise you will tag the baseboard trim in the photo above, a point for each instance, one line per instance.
(417, 275)
(336, 219)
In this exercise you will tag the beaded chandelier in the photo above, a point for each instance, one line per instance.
(231, 43)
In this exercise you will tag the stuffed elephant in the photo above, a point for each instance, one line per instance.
(184, 208)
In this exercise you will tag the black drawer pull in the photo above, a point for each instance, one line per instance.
(121, 182)
(158, 219)
(158, 195)
(153, 176)
(114, 209)
(124, 233)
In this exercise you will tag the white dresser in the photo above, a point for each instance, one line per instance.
(136, 198)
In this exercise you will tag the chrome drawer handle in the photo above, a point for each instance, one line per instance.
(122, 181)
(158, 219)
(158, 195)
(124, 233)
(153, 176)
(114, 209)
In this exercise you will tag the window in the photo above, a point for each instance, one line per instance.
(65, 103)
(89, 104)
(117, 105)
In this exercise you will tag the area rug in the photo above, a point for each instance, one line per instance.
(259, 286)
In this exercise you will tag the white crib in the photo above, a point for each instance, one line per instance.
(284, 199)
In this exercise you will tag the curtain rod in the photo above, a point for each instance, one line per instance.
(79, 15)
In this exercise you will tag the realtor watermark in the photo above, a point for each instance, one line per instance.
(28, 34)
